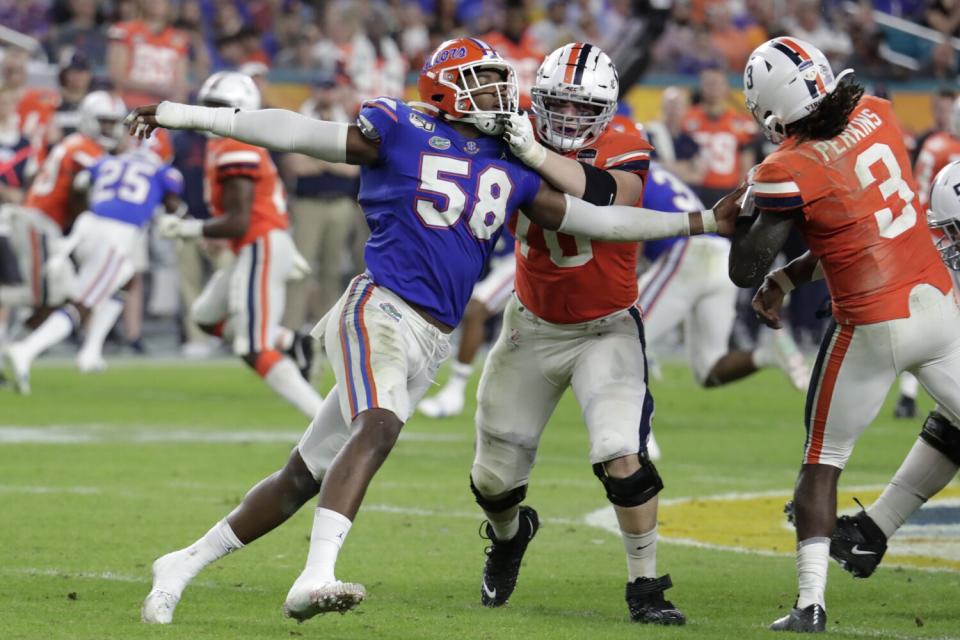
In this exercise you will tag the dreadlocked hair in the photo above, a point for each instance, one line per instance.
(832, 115)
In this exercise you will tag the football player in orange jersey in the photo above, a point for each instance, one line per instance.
(724, 135)
(573, 322)
(842, 177)
(51, 201)
(859, 541)
(244, 301)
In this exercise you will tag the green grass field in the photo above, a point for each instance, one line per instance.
(101, 474)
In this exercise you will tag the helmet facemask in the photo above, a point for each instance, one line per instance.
(465, 81)
(947, 233)
(569, 131)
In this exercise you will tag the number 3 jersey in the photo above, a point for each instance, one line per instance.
(436, 203)
(568, 279)
(860, 214)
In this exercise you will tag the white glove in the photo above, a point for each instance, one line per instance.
(171, 226)
(518, 132)
(301, 267)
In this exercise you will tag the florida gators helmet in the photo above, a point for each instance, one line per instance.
(449, 80)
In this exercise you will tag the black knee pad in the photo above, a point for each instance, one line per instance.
(943, 436)
(633, 490)
(510, 499)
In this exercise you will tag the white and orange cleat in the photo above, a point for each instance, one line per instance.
(308, 598)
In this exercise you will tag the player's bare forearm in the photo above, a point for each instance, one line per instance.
(755, 246)
(564, 174)
(803, 269)
(237, 199)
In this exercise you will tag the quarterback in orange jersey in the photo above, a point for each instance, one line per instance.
(723, 134)
(147, 58)
(51, 202)
(842, 177)
(939, 150)
(572, 323)
(244, 301)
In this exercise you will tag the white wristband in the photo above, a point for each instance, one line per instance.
(191, 228)
(709, 221)
(782, 280)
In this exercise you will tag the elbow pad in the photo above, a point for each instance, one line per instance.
(600, 187)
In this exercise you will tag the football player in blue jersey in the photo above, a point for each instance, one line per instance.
(436, 188)
(123, 193)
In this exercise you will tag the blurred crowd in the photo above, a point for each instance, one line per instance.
(348, 51)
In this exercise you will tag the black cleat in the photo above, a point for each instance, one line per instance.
(858, 544)
(301, 352)
(503, 560)
(906, 408)
(647, 604)
(812, 619)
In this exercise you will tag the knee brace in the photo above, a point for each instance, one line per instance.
(634, 490)
(943, 436)
(510, 499)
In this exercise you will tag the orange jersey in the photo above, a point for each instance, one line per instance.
(35, 111)
(938, 151)
(153, 58)
(228, 158)
(860, 214)
(50, 190)
(525, 57)
(721, 140)
(567, 279)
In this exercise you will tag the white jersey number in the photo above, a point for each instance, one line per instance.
(583, 255)
(889, 225)
(129, 182)
(445, 208)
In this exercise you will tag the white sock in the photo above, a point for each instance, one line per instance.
(763, 357)
(641, 551)
(923, 473)
(55, 329)
(505, 525)
(909, 385)
(102, 318)
(813, 555)
(329, 531)
(16, 296)
(285, 379)
(187, 563)
(457, 383)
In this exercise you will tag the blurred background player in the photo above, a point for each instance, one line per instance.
(842, 175)
(14, 154)
(687, 283)
(859, 542)
(573, 323)
(244, 302)
(724, 135)
(489, 298)
(123, 193)
(51, 203)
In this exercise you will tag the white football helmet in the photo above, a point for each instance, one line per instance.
(785, 80)
(943, 217)
(101, 118)
(581, 75)
(230, 89)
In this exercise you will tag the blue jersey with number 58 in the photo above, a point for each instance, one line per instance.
(130, 187)
(666, 192)
(436, 203)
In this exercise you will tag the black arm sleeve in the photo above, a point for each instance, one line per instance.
(600, 188)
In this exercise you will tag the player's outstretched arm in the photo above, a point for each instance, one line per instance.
(566, 174)
(618, 223)
(275, 129)
(756, 243)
